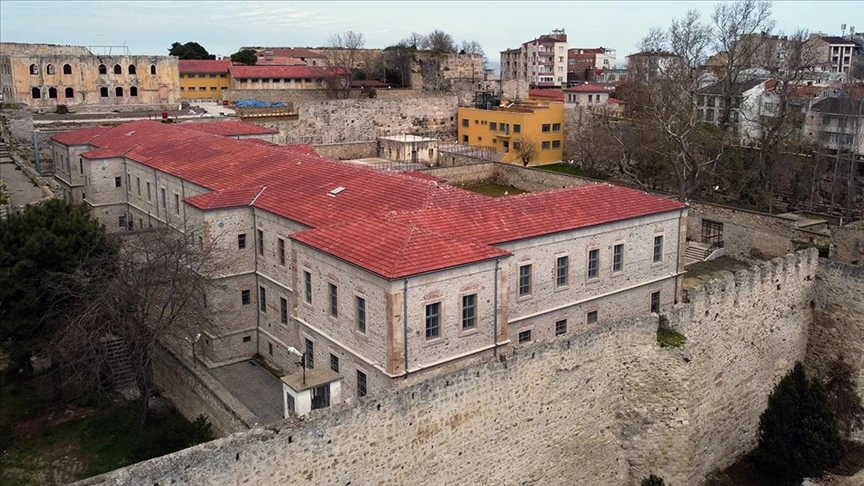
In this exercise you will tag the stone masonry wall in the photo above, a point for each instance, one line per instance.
(347, 151)
(525, 178)
(608, 406)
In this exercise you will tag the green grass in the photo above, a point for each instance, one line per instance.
(567, 169)
(494, 190)
(669, 338)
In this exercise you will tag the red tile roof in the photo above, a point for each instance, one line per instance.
(280, 61)
(203, 66)
(286, 72)
(551, 94)
(392, 224)
(229, 128)
(289, 52)
(82, 136)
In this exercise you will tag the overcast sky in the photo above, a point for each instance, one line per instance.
(149, 27)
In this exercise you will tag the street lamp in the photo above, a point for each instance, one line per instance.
(193, 342)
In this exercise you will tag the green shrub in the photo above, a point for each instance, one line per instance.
(670, 338)
(798, 433)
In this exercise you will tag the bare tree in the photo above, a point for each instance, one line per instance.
(440, 42)
(740, 30)
(342, 56)
(415, 40)
(153, 292)
(526, 149)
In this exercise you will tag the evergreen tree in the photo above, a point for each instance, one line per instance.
(189, 50)
(798, 433)
(245, 56)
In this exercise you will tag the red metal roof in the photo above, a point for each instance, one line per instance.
(288, 72)
(203, 66)
(392, 224)
(82, 136)
(552, 94)
(229, 128)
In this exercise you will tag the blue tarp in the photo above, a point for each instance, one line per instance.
(252, 103)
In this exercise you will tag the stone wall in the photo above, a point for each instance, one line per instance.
(467, 170)
(340, 121)
(286, 95)
(838, 325)
(195, 392)
(750, 235)
(347, 151)
(847, 243)
(607, 406)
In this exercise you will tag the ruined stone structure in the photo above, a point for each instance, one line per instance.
(45, 75)
(607, 406)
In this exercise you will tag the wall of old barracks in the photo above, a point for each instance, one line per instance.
(607, 406)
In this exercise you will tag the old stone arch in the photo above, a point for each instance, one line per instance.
(103, 69)
(70, 93)
(153, 69)
(132, 69)
(52, 93)
(118, 69)
(49, 69)
(118, 91)
(67, 69)
(36, 93)
(34, 69)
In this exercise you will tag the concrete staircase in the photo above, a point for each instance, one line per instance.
(696, 252)
(118, 363)
(5, 157)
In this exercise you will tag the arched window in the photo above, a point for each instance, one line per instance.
(103, 92)
(133, 91)
(49, 69)
(153, 69)
(70, 93)
(103, 69)
(52, 93)
(118, 92)
(34, 69)
(67, 69)
(132, 69)
(118, 69)
(36, 92)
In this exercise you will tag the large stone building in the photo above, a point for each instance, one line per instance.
(45, 75)
(542, 61)
(377, 275)
(204, 78)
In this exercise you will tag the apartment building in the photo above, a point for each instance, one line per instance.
(748, 106)
(506, 127)
(379, 276)
(588, 64)
(542, 61)
(204, 79)
(837, 123)
(645, 66)
(46, 75)
(837, 53)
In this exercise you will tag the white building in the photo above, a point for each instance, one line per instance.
(542, 61)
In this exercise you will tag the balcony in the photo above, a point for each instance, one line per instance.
(546, 53)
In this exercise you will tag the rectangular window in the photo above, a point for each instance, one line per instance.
(262, 299)
(618, 257)
(245, 297)
(128, 182)
(361, 314)
(118, 182)
(148, 192)
(464, 122)
(138, 183)
(469, 311)
(80, 165)
(247, 339)
(333, 292)
(433, 321)
(658, 248)
(546, 127)
(307, 287)
(655, 301)
(334, 362)
(556, 127)
(493, 126)
(593, 263)
(591, 317)
(517, 128)
(361, 384)
(241, 241)
(270, 348)
(562, 273)
(260, 242)
(545, 145)
(310, 354)
(556, 144)
(281, 246)
(164, 204)
(524, 280)
(176, 203)
(560, 327)
(283, 310)
(525, 336)
(121, 221)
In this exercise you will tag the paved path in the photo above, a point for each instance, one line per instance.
(21, 189)
(255, 387)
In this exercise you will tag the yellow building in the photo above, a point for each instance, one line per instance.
(204, 79)
(531, 129)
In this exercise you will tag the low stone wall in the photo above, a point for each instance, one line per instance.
(463, 174)
(194, 392)
(847, 243)
(533, 180)
(347, 151)
(473, 171)
(750, 235)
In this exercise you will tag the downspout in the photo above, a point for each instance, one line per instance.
(405, 324)
(182, 198)
(257, 284)
(678, 256)
(495, 313)
(156, 192)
